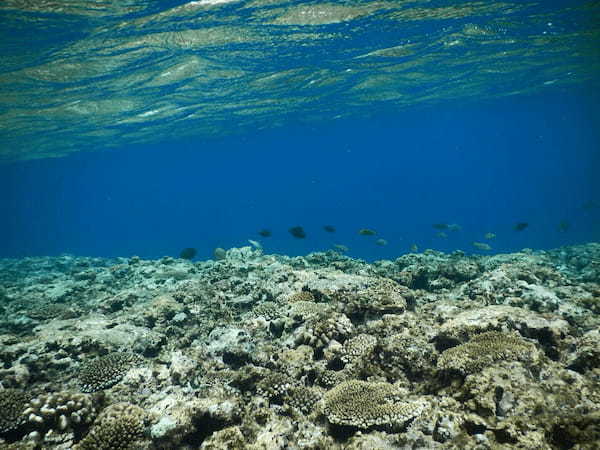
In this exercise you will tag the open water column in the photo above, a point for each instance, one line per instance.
(271, 224)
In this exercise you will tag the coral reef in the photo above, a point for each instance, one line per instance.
(322, 351)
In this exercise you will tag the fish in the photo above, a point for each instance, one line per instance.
(381, 242)
(255, 244)
(489, 235)
(563, 226)
(454, 227)
(298, 232)
(367, 232)
(441, 234)
(482, 246)
(341, 247)
(329, 228)
(520, 226)
(440, 226)
(265, 233)
(587, 206)
(414, 248)
(188, 253)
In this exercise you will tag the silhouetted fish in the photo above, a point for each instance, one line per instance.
(441, 234)
(297, 232)
(341, 247)
(440, 226)
(367, 232)
(381, 242)
(520, 226)
(265, 233)
(329, 228)
(482, 246)
(188, 253)
(563, 226)
(414, 248)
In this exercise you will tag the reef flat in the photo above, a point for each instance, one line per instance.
(324, 351)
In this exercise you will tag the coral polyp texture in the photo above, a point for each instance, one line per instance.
(106, 371)
(322, 351)
(363, 405)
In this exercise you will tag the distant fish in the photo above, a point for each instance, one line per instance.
(441, 234)
(381, 242)
(298, 232)
(414, 248)
(265, 233)
(440, 226)
(329, 228)
(188, 253)
(342, 248)
(367, 232)
(482, 246)
(255, 244)
(454, 227)
(489, 235)
(563, 226)
(520, 226)
(587, 206)
(219, 253)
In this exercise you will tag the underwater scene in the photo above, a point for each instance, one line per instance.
(299, 224)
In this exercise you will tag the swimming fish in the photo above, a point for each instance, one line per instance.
(188, 253)
(255, 244)
(219, 253)
(454, 227)
(563, 226)
(482, 246)
(441, 234)
(440, 226)
(298, 232)
(329, 228)
(489, 235)
(341, 247)
(381, 242)
(520, 226)
(367, 232)
(414, 248)
(265, 233)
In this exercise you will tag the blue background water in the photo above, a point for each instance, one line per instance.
(484, 166)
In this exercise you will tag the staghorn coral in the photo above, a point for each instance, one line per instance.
(106, 371)
(118, 427)
(362, 404)
(12, 404)
(484, 350)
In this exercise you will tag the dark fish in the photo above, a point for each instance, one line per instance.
(188, 253)
(297, 232)
(563, 226)
(587, 206)
(265, 233)
(521, 226)
(329, 228)
(440, 226)
(367, 232)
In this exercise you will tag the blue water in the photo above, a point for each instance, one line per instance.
(484, 154)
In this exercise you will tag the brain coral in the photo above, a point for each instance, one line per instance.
(12, 404)
(364, 404)
(106, 371)
(484, 350)
(118, 427)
